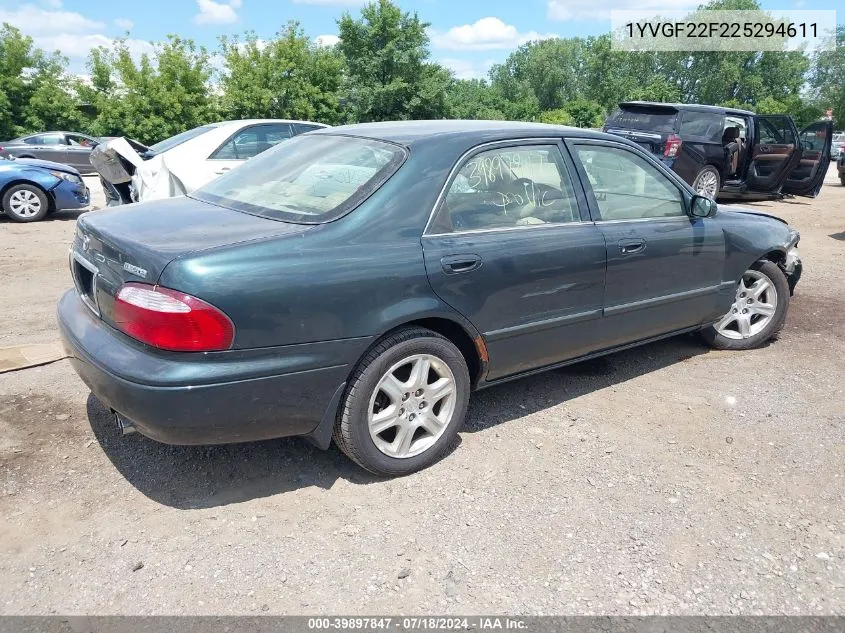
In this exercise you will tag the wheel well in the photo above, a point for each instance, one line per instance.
(461, 339)
(50, 201)
(775, 256)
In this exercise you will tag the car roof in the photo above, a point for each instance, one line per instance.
(254, 121)
(410, 133)
(692, 107)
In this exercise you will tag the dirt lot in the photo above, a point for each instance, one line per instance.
(668, 479)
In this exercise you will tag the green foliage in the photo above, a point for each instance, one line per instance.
(152, 99)
(388, 76)
(472, 99)
(34, 91)
(558, 116)
(827, 78)
(381, 70)
(585, 113)
(287, 77)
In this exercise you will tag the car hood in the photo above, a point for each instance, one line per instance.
(47, 164)
(150, 176)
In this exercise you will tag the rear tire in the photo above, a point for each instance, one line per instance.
(404, 404)
(707, 182)
(842, 179)
(25, 203)
(758, 312)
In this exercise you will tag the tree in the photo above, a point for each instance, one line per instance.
(473, 99)
(585, 113)
(35, 90)
(388, 75)
(152, 99)
(827, 78)
(287, 77)
(558, 117)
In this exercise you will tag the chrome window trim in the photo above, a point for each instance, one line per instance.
(668, 217)
(475, 149)
(509, 228)
(95, 273)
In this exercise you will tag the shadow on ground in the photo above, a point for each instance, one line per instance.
(209, 476)
(56, 216)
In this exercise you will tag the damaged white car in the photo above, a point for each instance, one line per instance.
(132, 172)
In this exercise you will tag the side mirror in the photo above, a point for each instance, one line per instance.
(702, 207)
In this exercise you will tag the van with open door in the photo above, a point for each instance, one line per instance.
(726, 152)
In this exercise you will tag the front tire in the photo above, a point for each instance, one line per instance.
(707, 182)
(25, 203)
(758, 312)
(404, 404)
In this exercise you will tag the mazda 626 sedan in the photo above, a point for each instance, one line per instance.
(357, 283)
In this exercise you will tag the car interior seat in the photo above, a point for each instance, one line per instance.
(733, 147)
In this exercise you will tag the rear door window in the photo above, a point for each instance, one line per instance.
(509, 187)
(252, 141)
(301, 128)
(47, 139)
(703, 125)
(646, 119)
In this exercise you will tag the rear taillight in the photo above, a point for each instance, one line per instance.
(171, 320)
(673, 144)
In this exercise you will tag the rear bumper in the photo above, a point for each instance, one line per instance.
(67, 195)
(217, 398)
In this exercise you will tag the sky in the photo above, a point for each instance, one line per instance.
(467, 36)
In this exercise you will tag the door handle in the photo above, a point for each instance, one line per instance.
(630, 247)
(764, 148)
(453, 264)
(223, 170)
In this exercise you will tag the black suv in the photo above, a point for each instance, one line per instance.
(726, 152)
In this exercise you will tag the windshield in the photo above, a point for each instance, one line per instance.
(648, 119)
(173, 141)
(308, 179)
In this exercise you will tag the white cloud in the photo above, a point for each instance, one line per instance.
(34, 21)
(326, 40)
(212, 12)
(55, 4)
(333, 3)
(466, 69)
(123, 23)
(486, 34)
(600, 9)
(73, 34)
(77, 47)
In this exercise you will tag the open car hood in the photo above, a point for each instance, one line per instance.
(135, 173)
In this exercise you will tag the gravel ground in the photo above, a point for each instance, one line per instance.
(667, 479)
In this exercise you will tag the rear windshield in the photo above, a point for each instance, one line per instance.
(647, 119)
(173, 141)
(306, 179)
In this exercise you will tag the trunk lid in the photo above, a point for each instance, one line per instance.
(136, 243)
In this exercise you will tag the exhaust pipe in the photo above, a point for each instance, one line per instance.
(126, 426)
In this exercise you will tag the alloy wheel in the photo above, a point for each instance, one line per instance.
(707, 184)
(753, 309)
(412, 406)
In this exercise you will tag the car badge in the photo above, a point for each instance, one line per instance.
(135, 270)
